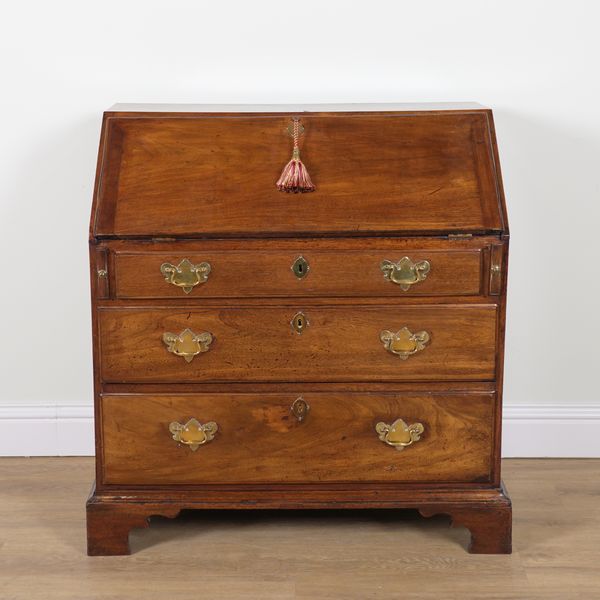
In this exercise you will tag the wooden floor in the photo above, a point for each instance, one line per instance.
(307, 555)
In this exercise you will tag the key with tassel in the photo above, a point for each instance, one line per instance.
(294, 177)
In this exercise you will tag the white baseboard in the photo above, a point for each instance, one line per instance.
(558, 431)
(34, 430)
(554, 431)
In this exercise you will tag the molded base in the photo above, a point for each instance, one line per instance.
(487, 513)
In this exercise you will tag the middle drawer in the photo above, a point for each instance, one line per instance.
(342, 343)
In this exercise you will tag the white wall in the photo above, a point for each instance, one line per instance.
(535, 62)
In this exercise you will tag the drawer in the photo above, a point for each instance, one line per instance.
(341, 343)
(257, 438)
(300, 272)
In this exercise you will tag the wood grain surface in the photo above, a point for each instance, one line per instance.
(215, 175)
(269, 273)
(299, 555)
(259, 440)
(258, 344)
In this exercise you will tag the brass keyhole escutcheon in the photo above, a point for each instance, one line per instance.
(299, 322)
(300, 267)
(300, 409)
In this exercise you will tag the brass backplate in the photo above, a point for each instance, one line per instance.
(187, 344)
(405, 272)
(399, 434)
(404, 343)
(185, 275)
(193, 433)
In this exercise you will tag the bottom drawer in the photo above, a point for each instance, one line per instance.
(324, 437)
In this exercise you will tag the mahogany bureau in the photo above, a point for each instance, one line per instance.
(335, 349)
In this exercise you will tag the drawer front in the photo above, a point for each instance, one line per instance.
(343, 343)
(252, 438)
(301, 272)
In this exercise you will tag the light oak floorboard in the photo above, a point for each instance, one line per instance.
(302, 555)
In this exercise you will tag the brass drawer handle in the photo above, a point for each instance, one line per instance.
(193, 434)
(187, 344)
(405, 272)
(404, 343)
(399, 434)
(185, 275)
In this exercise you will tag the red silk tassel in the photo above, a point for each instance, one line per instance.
(294, 177)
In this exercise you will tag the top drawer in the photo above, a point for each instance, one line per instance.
(298, 271)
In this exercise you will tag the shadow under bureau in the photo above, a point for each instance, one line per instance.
(341, 348)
